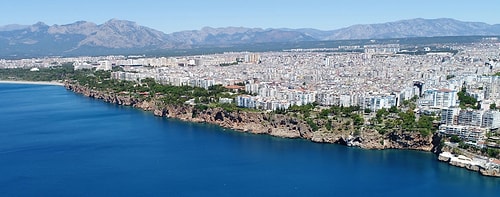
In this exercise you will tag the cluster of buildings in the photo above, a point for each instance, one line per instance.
(473, 122)
(469, 124)
(138, 61)
(381, 48)
(99, 65)
(30, 63)
(274, 98)
(374, 79)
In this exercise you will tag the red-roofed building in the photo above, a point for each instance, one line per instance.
(235, 88)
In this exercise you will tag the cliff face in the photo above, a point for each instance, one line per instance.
(371, 139)
(106, 97)
(267, 123)
(253, 122)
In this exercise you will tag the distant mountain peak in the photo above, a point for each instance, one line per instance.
(38, 26)
(78, 27)
(418, 27)
(119, 35)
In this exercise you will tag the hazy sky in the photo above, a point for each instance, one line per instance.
(176, 15)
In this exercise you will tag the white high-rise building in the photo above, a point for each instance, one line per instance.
(470, 117)
(449, 115)
(491, 119)
(104, 65)
(442, 98)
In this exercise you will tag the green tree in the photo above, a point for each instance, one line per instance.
(465, 99)
(357, 119)
(425, 122)
(455, 139)
(408, 119)
(381, 131)
(381, 113)
(393, 109)
(324, 113)
(493, 152)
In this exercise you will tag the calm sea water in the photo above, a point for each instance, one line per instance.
(57, 143)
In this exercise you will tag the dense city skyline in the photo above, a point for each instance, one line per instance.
(188, 15)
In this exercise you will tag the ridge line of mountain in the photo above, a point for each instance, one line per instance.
(116, 36)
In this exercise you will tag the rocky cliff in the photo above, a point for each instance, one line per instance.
(266, 123)
(371, 139)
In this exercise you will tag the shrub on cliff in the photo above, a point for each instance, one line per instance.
(312, 124)
(424, 132)
(381, 131)
(493, 152)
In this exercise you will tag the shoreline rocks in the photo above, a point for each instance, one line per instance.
(487, 167)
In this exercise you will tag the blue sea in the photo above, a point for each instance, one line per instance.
(54, 142)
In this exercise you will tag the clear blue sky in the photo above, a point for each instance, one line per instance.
(176, 15)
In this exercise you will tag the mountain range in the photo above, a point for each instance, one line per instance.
(121, 36)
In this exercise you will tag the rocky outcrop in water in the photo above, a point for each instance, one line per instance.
(494, 172)
(487, 167)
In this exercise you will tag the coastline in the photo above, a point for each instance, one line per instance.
(273, 124)
(279, 126)
(54, 83)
